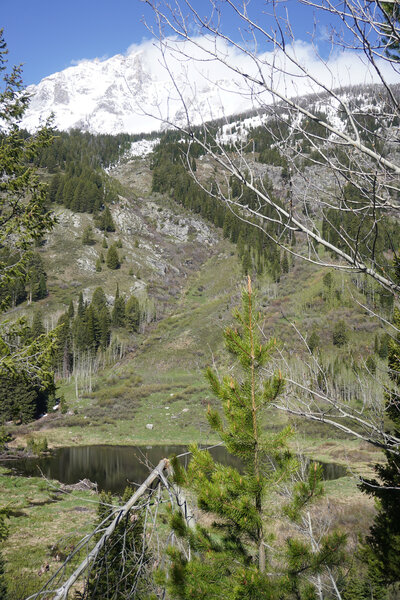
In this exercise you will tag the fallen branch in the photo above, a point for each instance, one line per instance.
(62, 592)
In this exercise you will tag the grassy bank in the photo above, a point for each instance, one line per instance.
(44, 526)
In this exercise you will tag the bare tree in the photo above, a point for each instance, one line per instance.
(336, 191)
(312, 122)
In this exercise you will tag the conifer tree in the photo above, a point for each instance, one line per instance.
(80, 333)
(285, 263)
(236, 498)
(71, 310)
(42, 287)
(99, 299)
(105, 221)
(112, 259)
(118, 312)
(229, 560)
(64, 348)
(104, 321)
(92, 329)
(340, 334)
(88, 237)
(132, 314)
(36, 279)
(37, 325)
(314, 341)
(81, 306)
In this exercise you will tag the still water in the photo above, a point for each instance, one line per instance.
(114, 467)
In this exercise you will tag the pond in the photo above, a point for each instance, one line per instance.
(114, 467)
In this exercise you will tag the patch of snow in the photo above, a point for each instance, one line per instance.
(142, 147)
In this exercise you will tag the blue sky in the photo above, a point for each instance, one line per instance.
(50, 35)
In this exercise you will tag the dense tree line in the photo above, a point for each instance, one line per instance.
(76, 162)
(87, 329)
(81, 188)
(99, 150)
(30, 284)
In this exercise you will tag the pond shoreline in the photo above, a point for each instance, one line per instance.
(113, 467)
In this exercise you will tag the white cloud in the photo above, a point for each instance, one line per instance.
(75, 62)
(190, 67)
(201, 78)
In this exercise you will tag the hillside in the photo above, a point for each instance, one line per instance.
(187, 277)
(148, 386)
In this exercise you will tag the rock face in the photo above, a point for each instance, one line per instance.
(121, 93)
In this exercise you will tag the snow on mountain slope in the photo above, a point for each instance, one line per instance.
(134, 93)
(121, 93)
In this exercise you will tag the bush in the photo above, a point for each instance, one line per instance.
(371, 365)
(112, 259)
(88, 237)
(37, 446)
(5, 437)
(314, 341)
(340, 335)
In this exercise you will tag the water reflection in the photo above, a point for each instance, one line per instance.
(113, 467)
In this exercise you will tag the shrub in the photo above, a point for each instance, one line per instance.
(340, 335)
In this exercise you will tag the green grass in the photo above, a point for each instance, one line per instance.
(44, 525)
(165, 365)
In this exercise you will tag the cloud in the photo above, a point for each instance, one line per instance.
(79, 61)
(235, 81)
(197, 80)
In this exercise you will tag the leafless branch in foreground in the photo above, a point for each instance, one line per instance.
(345, 166)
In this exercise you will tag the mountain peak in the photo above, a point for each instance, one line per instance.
(118, 95)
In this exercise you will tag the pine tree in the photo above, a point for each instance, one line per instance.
(99, 300)
(88, 237)
(314, 341)
(81, 306)
(234, 564)
(285, 263)
(18, 400)
(80, 333)
(132, 314)
(64, 347)
(105, 221)
(36, 278)
(340, 334)
(118, 312)
(229, 560)
(247, 262)
(104, 321)
(92, 329)
(384, 346)
(112, 259)
(71, 310)
(37, 325)
(42, 287)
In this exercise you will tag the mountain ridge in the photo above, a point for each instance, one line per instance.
(122, 93)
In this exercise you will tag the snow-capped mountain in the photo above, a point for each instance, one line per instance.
(145, 89)
(131, 93)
